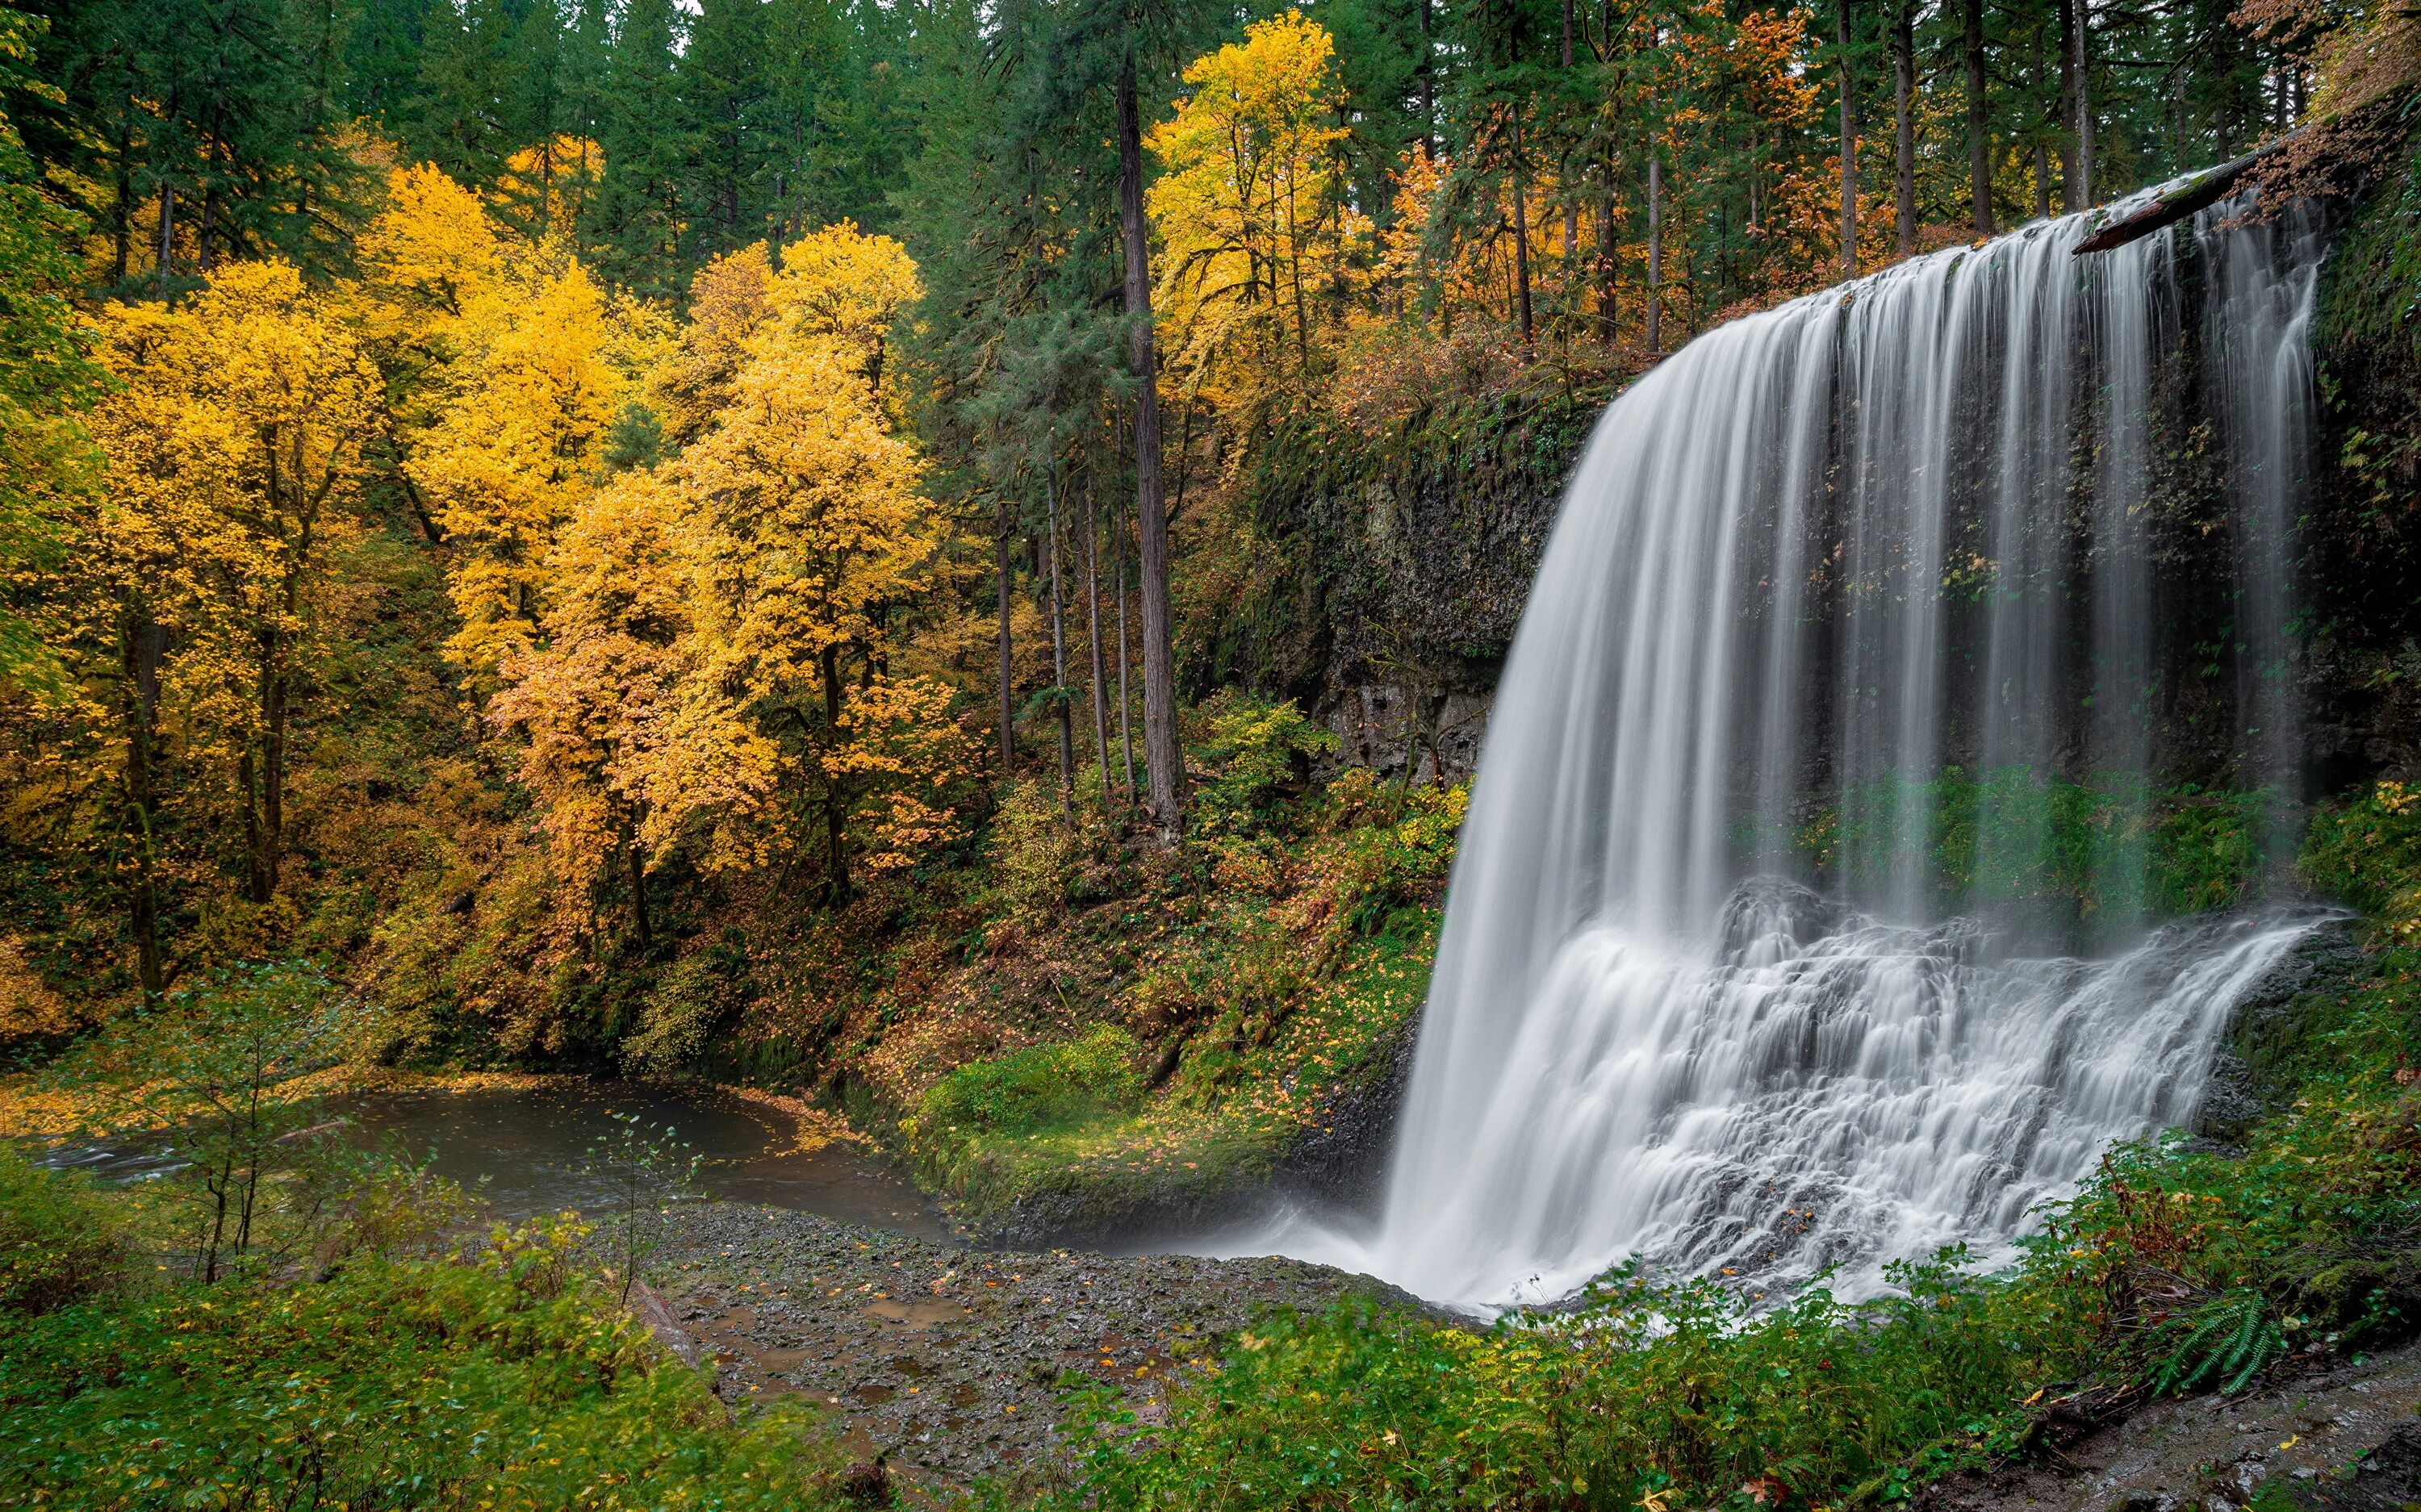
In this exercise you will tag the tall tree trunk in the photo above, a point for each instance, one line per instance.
(165, 267)
(1093, 633)
(1427, 71)
(1571, 205)
(1904, 126)
(1151, 517)
(636, 864)
(1655, 250)
(1521, 237)
(265, 787)
(2071, 195)
(146, 646)
(1007, 669)
(835, 801)
(1979, 140)
(1059, 659)
(1849, 146)
(1126, 723)
(2083, 166)
(121, 220)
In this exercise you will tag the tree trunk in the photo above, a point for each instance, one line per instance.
(836, 804)
(1655, 251)
(1979, 140)
(2084, 103)
(165, 267)
(1059, 659)
(1093, 633)
(637, 866)
(2071, 195)
(1849, 146)
(1521, 238)
(146, 646)
(1126, 723)
(1152, 518)
(264, 788)
(1571, 206)
(1904, 126)
(1008, 670)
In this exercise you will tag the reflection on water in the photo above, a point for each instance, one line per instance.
(522, 1151)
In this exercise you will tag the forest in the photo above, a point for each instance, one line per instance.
(945, 564)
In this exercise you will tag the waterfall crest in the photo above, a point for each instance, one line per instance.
(1816, 560)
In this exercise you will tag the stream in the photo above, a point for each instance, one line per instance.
(522, 1151)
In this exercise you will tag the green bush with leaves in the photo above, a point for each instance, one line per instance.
(60, 1241)
(506, 1383)
(1259, 753)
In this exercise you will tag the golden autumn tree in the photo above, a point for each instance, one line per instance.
(234, 443)
(729, 300)
(805, 538)
(584, 704)
(523, 363)
(1250, 206)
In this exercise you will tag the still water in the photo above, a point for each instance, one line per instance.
(524, 1151)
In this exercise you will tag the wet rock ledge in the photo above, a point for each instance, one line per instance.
(945, 1360)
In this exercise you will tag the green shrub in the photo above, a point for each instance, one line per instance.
(1037, 1088)
(1259, 756)
(690, 1000)
(505, 1383)
(59, 1240)
(1035, 856)
(2366, 853)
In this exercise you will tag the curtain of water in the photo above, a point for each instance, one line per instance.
(1822, 568)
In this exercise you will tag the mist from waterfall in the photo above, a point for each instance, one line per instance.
(1828, 582)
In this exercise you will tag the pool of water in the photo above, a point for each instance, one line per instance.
(524, 1151)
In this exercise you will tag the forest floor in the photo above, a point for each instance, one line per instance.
(2344, 1438)
(947, 1363)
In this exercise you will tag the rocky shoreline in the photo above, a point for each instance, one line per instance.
(944, 1362)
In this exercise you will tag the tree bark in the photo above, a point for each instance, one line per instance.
(2172, 205)
(1059, 658)
(2083, 166)
(1093, 633)
(1008, 670)
(1904, 126)
(146, 647)
(636, 866)
(1571, 206)
(1979, 142)
(836, 802)
(1521, 238)
(1126, 723)
(1848, 145)
(1655, 251)
(1151, 517)
(165, 267)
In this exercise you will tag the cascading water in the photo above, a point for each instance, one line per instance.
(1838, 590)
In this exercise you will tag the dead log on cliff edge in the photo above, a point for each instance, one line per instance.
(2181, 199)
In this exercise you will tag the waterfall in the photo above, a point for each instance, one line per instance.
(1838, 590)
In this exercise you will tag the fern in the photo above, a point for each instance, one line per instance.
(2231, 1338)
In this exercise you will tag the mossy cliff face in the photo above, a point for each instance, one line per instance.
(1378, 577)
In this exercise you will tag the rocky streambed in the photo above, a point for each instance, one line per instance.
(946, 1361)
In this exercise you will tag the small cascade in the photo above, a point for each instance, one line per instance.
(1881, 591)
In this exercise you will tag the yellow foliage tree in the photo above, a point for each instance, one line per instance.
(804, 539)
(1251, 208)
(584, 704)
(729, 302)
(234, 442)
(527, 364)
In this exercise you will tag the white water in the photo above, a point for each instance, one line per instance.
(1810, 561)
